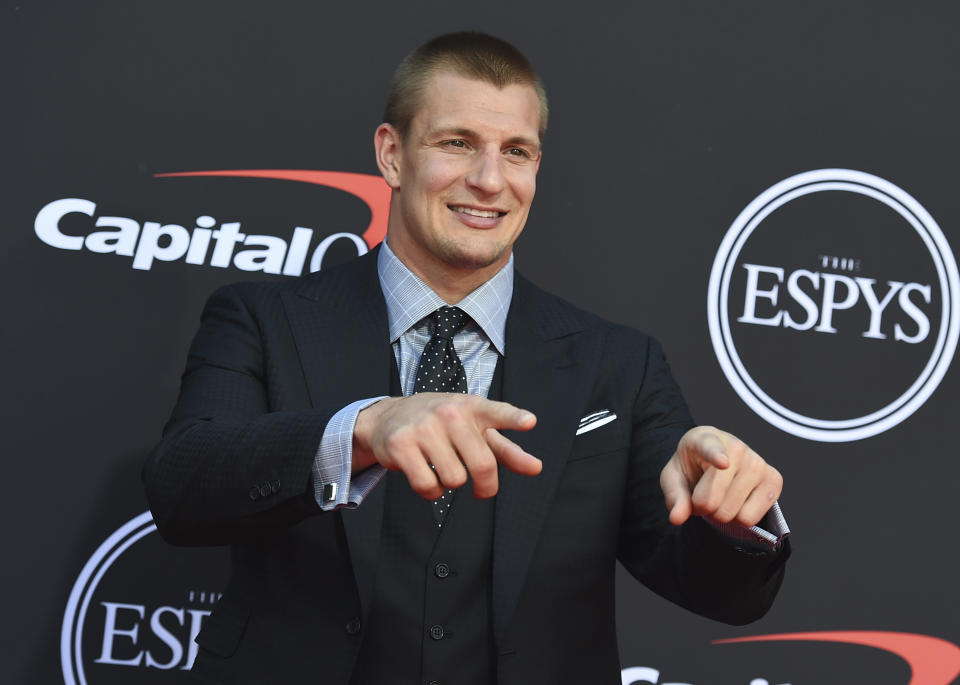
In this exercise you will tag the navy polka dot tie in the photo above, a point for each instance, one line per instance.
(440, 370)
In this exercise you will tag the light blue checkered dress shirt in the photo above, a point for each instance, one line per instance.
(410, 302)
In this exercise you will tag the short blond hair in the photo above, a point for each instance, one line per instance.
(466, 53)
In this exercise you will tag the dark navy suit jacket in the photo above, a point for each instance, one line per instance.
(272, 363)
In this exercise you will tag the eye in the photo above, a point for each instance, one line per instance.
(456, 142)
(519, 153)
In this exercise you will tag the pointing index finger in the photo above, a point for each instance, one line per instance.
(504, 415)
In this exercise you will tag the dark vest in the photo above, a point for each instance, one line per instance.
(430, 621)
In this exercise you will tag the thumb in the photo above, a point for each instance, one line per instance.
(676, 493)
(707, 449)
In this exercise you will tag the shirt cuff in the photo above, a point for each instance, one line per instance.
(767, 535)
(333, 486)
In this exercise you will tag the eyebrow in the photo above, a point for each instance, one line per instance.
(468, 133)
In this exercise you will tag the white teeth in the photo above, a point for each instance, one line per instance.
(490, 214)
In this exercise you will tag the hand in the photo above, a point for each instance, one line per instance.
(714, 474)
(453, 432)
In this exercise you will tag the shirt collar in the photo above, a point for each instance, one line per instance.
(409, 299)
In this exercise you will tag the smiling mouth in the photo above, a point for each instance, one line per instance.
(483, 213)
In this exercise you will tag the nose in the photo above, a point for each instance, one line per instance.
(486, 176)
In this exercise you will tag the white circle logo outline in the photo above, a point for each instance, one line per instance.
(718, 319)
(71, 630)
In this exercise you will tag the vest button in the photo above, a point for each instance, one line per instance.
(436, 632)
(434, 682)
(353, 626)
(441, 570)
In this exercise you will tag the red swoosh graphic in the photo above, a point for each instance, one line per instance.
(932, 661)
(373, 190)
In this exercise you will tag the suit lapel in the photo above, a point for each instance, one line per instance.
(339, 324)
(548, 368)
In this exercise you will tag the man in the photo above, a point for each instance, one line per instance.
(324, 427)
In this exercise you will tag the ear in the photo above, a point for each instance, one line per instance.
(386, 143)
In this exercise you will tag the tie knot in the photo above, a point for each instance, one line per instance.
(448, 321)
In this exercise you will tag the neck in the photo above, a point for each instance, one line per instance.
(451, 283)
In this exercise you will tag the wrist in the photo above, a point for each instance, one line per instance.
(363, 456)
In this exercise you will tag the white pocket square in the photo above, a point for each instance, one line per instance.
(594, 420)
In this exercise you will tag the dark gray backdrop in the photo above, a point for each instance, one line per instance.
(668, 118)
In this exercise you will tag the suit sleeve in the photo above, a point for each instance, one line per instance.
(692, 565)
(227, 467)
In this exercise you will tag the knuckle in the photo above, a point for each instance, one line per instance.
(447, 411)
(738, 452)
(428, 430)
(484, 469)
(456, 480)
(756, 465)
(724, 515)
(706, 502)
(777, 477)
(422, 485)
(399, 441)
(747, 518)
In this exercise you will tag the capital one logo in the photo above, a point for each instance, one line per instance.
(834, 305)
(932, 660)
(210, 244)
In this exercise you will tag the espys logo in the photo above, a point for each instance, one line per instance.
(136, 607)
(221, 246)
(932, 661)
(834, 305)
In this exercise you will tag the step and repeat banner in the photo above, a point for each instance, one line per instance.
(769, 188)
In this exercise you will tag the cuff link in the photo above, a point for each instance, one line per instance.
(329, 492)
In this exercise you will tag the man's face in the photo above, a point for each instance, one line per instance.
(463, 177)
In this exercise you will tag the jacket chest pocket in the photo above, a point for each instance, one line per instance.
(599, 433)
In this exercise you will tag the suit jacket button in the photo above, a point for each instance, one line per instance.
(441, 570)
(353, 626)
(254, 493)
(264, 489)
(436, 632)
